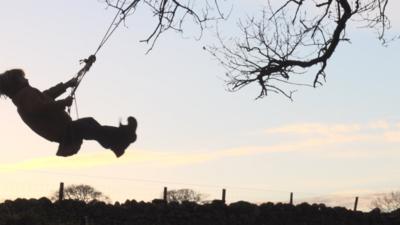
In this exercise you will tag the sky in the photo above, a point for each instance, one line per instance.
(329, 145)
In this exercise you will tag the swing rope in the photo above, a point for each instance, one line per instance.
(92, 58)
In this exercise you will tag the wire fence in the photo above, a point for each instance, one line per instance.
(47, 184)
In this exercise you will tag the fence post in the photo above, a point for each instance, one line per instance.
(61, 192)
(224, 195)
(165, 194)
(291, 198)
(356, 204)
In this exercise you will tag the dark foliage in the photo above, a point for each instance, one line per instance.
(44, 212)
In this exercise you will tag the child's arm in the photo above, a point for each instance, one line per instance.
(58, 105)
(35, 106)
(56, 91)
(59, 89)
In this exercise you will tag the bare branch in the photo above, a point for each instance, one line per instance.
(274, 48)
(171, 14)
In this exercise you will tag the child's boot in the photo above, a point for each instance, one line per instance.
(126, 136)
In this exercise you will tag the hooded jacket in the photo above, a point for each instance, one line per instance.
(42, 113)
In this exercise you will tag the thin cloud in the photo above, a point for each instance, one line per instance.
(333, 129)
(168, 159)
(324, 136)
(392, 136)
(315, 128)
(103, 159)
(381, 124)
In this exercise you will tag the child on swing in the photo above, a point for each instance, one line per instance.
(47, 117)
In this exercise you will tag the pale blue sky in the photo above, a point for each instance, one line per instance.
(341, 139)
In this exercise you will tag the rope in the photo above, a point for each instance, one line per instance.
(92, 58)
(108, 34)
(79, 76)
(114, 25)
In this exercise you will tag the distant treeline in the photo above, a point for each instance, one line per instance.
(44, 212)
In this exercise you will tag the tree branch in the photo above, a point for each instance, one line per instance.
(274, 49)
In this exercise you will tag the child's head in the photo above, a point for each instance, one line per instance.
(11, 82)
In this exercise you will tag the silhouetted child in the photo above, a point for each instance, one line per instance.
(47, 117)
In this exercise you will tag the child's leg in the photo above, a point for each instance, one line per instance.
(90, 129)
(115, 138)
